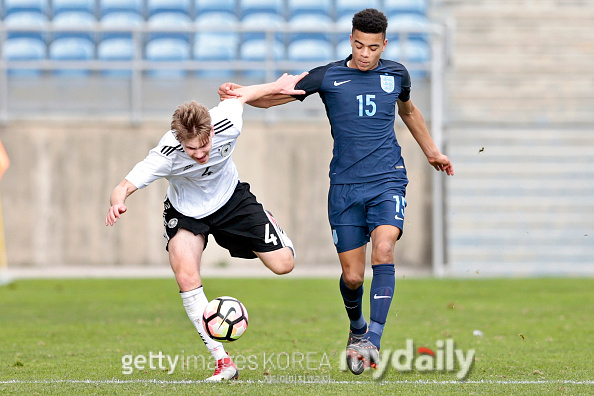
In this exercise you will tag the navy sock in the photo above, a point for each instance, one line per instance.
(381, 293)
(353, 300)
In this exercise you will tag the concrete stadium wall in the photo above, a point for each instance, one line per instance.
(55, 194)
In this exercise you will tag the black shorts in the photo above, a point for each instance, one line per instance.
(241, 226)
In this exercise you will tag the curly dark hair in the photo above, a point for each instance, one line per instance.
(370, 20)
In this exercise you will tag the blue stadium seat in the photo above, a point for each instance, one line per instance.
(215, 44)
(24, 49)
(40, 6)
(317, 52)
(261, 6)
(158, 6)
(413, 51)
(344, 49)
(126, 20)
(203, 6)
(298, 7)
(118, 46)
(392, 7)
(262, 21)
(348, 8)
(322, 23)
(74, 20)
(109, 6)
(26, 19)
(170, 50)
(260, 51)
(59, 6)
(116, 49)
(170, 20)
(410, 21)
(72, 49)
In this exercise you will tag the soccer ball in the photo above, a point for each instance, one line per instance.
(225, 319)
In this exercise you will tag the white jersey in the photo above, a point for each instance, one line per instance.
(196, 190)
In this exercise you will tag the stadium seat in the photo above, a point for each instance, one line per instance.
(26, 19)
(348, 8)
(170, 50)
(313, 22)
(167, 6)
(24, 49)
(59, 6)
(125, 20)
(119, 45)
(410, 21)
(259, 22)
(74, 20)
(261, 51)
(204, 6)
(116, 49)
(344, 49)
(315, 52)
(72, 49)
(299, 7)
(392, 7)
(11, 6)
(109, 6)
(261, 6)
(412, 52)
(170, 20)
(216, 44)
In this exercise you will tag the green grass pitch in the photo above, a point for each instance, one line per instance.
(75, 336)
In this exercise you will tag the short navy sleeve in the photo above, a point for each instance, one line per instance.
(405, 93)
(313, 81)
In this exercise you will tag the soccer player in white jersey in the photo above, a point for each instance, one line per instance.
(206, 197)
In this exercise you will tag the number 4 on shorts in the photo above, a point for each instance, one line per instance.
(269, 237)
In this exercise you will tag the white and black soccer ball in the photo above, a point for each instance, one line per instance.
(225, 319)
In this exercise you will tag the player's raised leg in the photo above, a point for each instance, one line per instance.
(185, 253)
(282, 260)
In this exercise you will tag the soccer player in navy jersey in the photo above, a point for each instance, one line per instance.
(368, 178)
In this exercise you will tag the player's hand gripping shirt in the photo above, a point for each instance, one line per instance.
(361, 107)
(196, 190)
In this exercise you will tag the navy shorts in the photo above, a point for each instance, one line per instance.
(354, 210)
(241, 226)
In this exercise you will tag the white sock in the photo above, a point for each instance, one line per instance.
(194, 302)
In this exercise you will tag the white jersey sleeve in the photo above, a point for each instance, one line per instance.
(157, 163)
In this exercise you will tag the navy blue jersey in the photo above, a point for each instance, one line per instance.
(361, 107)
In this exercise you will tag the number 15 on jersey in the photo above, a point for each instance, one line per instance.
(369, 107)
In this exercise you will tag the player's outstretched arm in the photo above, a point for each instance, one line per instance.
(117, 201)
(414, 121)
(264, 95)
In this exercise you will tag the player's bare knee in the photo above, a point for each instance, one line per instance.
(285, 265)
(352, 280)
(383, 252)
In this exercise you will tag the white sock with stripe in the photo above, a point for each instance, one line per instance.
(194, 302)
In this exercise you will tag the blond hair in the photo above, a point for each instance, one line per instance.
(191, 120)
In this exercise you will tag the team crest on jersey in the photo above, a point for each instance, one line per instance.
(387, 83)
(226, 150)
